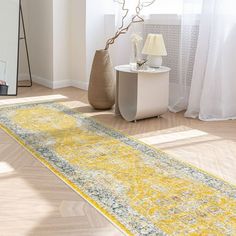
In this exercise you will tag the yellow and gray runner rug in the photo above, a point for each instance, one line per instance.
(142, 190)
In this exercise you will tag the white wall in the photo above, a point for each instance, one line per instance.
(48, 31)
(41, 40)
(78, 43)
(63, 37)
(95, 28)
(61, 44)
(57, 42)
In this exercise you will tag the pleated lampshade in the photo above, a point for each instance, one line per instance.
(155, 45)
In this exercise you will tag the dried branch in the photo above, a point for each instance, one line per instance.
(126, 12)
(135, 19)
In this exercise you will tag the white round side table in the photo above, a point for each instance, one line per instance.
(141, 93)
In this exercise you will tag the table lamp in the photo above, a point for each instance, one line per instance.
(155, 48)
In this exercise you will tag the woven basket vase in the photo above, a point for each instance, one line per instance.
(101, 93)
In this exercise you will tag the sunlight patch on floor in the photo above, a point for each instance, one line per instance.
(74, 104)
(5, 168)
(198, 148)
(173, 137)
(46, 98)
(85, 108)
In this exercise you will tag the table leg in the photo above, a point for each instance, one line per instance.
(117, 109)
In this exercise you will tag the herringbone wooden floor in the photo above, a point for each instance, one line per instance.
(35, 202)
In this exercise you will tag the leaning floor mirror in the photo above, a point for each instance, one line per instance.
(9, 46)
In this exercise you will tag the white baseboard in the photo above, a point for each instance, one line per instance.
(62, 84)
(36, 79)
(42, 81)
(55, 84)
(80, 84)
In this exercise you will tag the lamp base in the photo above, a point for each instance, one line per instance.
(154, 61)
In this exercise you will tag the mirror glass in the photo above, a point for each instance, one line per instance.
(9, 43)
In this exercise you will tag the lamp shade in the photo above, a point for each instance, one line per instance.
(155, 45)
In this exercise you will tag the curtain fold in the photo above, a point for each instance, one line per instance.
(180, 87)
(213, 87)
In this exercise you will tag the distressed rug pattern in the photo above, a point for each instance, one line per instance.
(140, 189)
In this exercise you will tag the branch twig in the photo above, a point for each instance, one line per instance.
(135, 19)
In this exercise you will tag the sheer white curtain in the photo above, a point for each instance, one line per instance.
(213, 88)
(180, 87)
